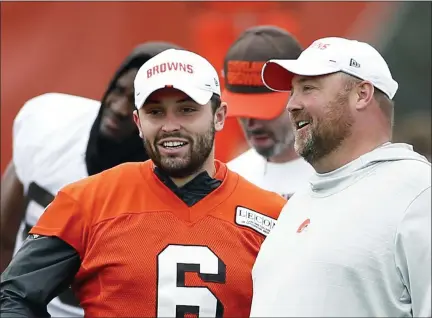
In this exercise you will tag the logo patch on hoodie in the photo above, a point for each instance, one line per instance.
(303, 226)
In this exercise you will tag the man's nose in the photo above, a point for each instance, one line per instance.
(171, 123)
(294, 104)
(121, 107)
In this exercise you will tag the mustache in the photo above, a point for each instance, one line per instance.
(258, 132)
(294, 116)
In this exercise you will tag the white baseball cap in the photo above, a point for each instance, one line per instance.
(331, 55)
(186, 71)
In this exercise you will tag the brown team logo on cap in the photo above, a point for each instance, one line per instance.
(244, 73)
(169, 66)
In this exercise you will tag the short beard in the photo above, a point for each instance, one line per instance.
(327, 136)
(266, 152)
(275, 150)
(280, 145)
(191, 163)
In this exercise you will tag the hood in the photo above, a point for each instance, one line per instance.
(340, 178)
(102, 154)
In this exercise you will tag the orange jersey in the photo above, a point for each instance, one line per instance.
(145, 253)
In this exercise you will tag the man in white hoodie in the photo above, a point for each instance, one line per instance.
(357, 241)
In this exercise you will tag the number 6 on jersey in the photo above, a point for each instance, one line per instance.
(174, 299)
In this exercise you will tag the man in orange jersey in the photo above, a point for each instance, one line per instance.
(172, 236)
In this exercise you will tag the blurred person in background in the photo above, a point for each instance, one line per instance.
(415, 129)
(173, 236)
(357, 241)
(60, 138)
(271, 163)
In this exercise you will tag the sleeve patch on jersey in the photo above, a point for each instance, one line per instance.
(259, 222)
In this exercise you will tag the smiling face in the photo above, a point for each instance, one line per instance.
(178, 133)
(116, 122)
(320, 111)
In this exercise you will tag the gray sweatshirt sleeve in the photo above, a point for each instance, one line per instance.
(42, 268)
(413, 253)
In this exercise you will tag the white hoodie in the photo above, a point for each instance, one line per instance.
(356, 242)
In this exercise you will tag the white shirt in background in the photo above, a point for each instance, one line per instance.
(50, 137)
(283, 178)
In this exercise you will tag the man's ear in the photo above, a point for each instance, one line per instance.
(137, 122)
(220, 116)
(365, 92)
